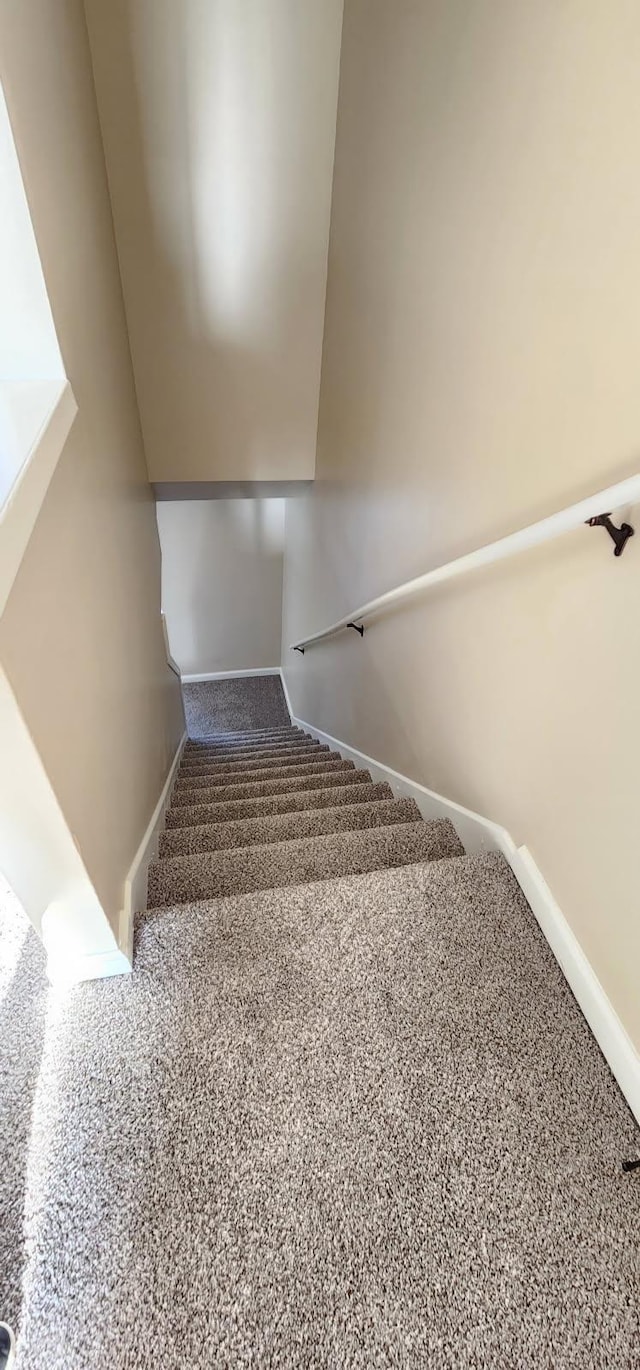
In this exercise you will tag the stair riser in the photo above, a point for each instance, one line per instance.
(213, 875)
(265, 765)
(215, 790)
(226, 793)
(242, 739)
(250, 740)
(289, 749)
(285, 827)
(291, 801)
(243, 745)
(284, 754)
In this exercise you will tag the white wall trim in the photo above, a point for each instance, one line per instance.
(75, 970)
(173, 490)
(135, 885)
(479, 834)
(287, 697)
(229, 675)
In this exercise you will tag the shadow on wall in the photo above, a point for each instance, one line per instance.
(217, 273)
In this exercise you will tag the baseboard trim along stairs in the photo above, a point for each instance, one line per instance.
(200, 676)
(135, 886)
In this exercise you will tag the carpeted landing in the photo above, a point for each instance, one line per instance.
(345, 1113)
(239, 702)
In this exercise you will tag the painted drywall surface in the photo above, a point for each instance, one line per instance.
(28, 344)
(80, 638)
(222, 582)
(480, 371)
(219, 122)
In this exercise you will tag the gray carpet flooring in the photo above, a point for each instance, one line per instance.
(353, 1121)
(23, 1000)
(249, 702)
(355, 1124)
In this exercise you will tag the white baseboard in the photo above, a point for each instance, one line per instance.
(614, 1042)
(94, 966)
(285, 691)
(135, 885)
(229, 675)
(479, 834)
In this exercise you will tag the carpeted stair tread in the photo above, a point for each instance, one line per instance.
(180, 879)
(192, 752)
(249, 832)
(224, 794)
(262, 782)
(246, 745)
(281, 727)
(243, 732)
(255, 735)
(281, 906)
(194, 775)
(268, 745)
(241, 747)
(269, 754)
(289, 801)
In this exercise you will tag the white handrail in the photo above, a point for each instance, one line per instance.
(626, 492)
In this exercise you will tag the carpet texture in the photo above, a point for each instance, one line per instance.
(183, 879)
(236, 763)
(256, 737)
(358, 1124)
(277, 751)
(264, 768)
(337, 773)
(359, 790)
(233, 705)
(248, 832)
(345, 1113)
(23, 994)
(224, 742)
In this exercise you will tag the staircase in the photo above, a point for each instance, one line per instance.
(264, 809)
(379, 1113)
(345, 1112)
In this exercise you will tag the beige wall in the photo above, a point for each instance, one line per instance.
(480, 369)
(218, 120)
(80, 638)
(28, 344)
(222, 582)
